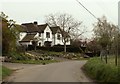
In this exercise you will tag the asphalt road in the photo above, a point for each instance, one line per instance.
(69, 71)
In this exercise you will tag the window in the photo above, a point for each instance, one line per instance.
(39, 44)
(47, 34)
(39, 34)
(58, 36)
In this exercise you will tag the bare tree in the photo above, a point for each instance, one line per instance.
(67, 24)
(105, 33)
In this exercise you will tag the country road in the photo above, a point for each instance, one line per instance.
(69, 71)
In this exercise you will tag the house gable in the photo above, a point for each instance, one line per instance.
(42, 27)
(28, 38)
(48, 30)
(55, 29)
(22, 35)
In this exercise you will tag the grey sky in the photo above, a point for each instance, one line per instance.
(119, 14)
(23, 11)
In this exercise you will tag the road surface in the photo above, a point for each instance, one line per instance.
(69, 71)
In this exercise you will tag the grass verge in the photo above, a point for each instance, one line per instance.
(98, 70)
(35, 61)
(4, 72)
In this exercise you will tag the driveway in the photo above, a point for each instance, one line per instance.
(69, 71)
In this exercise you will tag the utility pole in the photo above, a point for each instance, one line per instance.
(116, 47)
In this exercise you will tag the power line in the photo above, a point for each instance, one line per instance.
(116, 60)
(87, 10)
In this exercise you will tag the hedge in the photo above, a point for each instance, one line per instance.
(57, 48)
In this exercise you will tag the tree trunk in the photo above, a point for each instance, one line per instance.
(106, 59)
(101, 55)
(116, 53)
(35, 47)
(64, 47)
(116, 56)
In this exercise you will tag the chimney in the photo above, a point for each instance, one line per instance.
(35, 23)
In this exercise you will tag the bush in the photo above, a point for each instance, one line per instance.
(17, 56)
(100, 71)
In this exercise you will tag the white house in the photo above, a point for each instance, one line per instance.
(57, 36)
(43, 34)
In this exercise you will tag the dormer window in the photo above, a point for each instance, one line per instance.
(47, 34)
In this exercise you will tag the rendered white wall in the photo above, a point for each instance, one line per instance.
(43, 35)
(37, 35)
(60, 41)
(47, 30)
(22, 35)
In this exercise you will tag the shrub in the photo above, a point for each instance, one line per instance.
(100, 71)
(17, 56)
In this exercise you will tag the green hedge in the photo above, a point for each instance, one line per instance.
(59, 48)
(97, 69)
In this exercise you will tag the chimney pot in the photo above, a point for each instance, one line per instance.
(35, 22)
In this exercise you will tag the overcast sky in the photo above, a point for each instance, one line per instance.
(23, 11)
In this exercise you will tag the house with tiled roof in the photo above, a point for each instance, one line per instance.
(43, 34)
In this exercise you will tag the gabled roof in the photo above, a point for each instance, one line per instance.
(28, 37)
(55, 29)
(23, 28)
(30, 27)
(42, 27)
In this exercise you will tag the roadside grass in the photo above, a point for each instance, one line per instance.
(111, 60)
(4, 72)
(35, 61)
(0, 72)
(100, 71)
